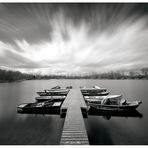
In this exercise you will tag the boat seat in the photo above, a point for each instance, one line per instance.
(123, 102)
(106, 101)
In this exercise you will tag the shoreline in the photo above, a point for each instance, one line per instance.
(7, 81)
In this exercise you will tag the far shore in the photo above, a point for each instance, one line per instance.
(8, 81)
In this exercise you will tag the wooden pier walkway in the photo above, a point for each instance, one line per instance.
(74, 131)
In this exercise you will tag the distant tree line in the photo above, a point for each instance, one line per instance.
(116, 75)
(10, 76)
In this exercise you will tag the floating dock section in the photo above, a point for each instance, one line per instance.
(74, 131)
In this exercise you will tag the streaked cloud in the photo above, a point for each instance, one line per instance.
(73, 38)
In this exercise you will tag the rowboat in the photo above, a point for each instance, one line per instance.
(40, 107)
(107, 105)
(94, 91)
(115, 99)
(57, 92)
(52, 98)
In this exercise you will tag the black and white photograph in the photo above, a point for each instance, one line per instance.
(73, 73)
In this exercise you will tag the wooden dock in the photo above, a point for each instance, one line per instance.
(74, 131)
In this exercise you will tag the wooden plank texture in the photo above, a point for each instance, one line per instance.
(74, 131)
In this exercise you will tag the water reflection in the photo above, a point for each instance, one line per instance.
(26, 129)
(30, 129)
(116, 128)
(108, 114)
(98, 132)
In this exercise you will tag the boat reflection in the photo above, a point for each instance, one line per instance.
(108, 114)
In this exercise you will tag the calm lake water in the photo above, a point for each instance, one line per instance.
(38, 129)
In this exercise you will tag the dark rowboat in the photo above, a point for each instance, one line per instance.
(47, 107)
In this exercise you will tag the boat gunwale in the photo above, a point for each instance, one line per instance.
(118, 106)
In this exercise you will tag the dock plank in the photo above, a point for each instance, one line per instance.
(74, 131)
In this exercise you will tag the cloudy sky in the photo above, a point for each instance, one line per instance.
(73, 38)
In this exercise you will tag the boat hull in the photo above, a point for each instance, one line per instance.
(114, 99)
(95, 93)
(47, 110)
(52, 98)
(54, 93)
(93, 90)
(114, 107)
(32, 108)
